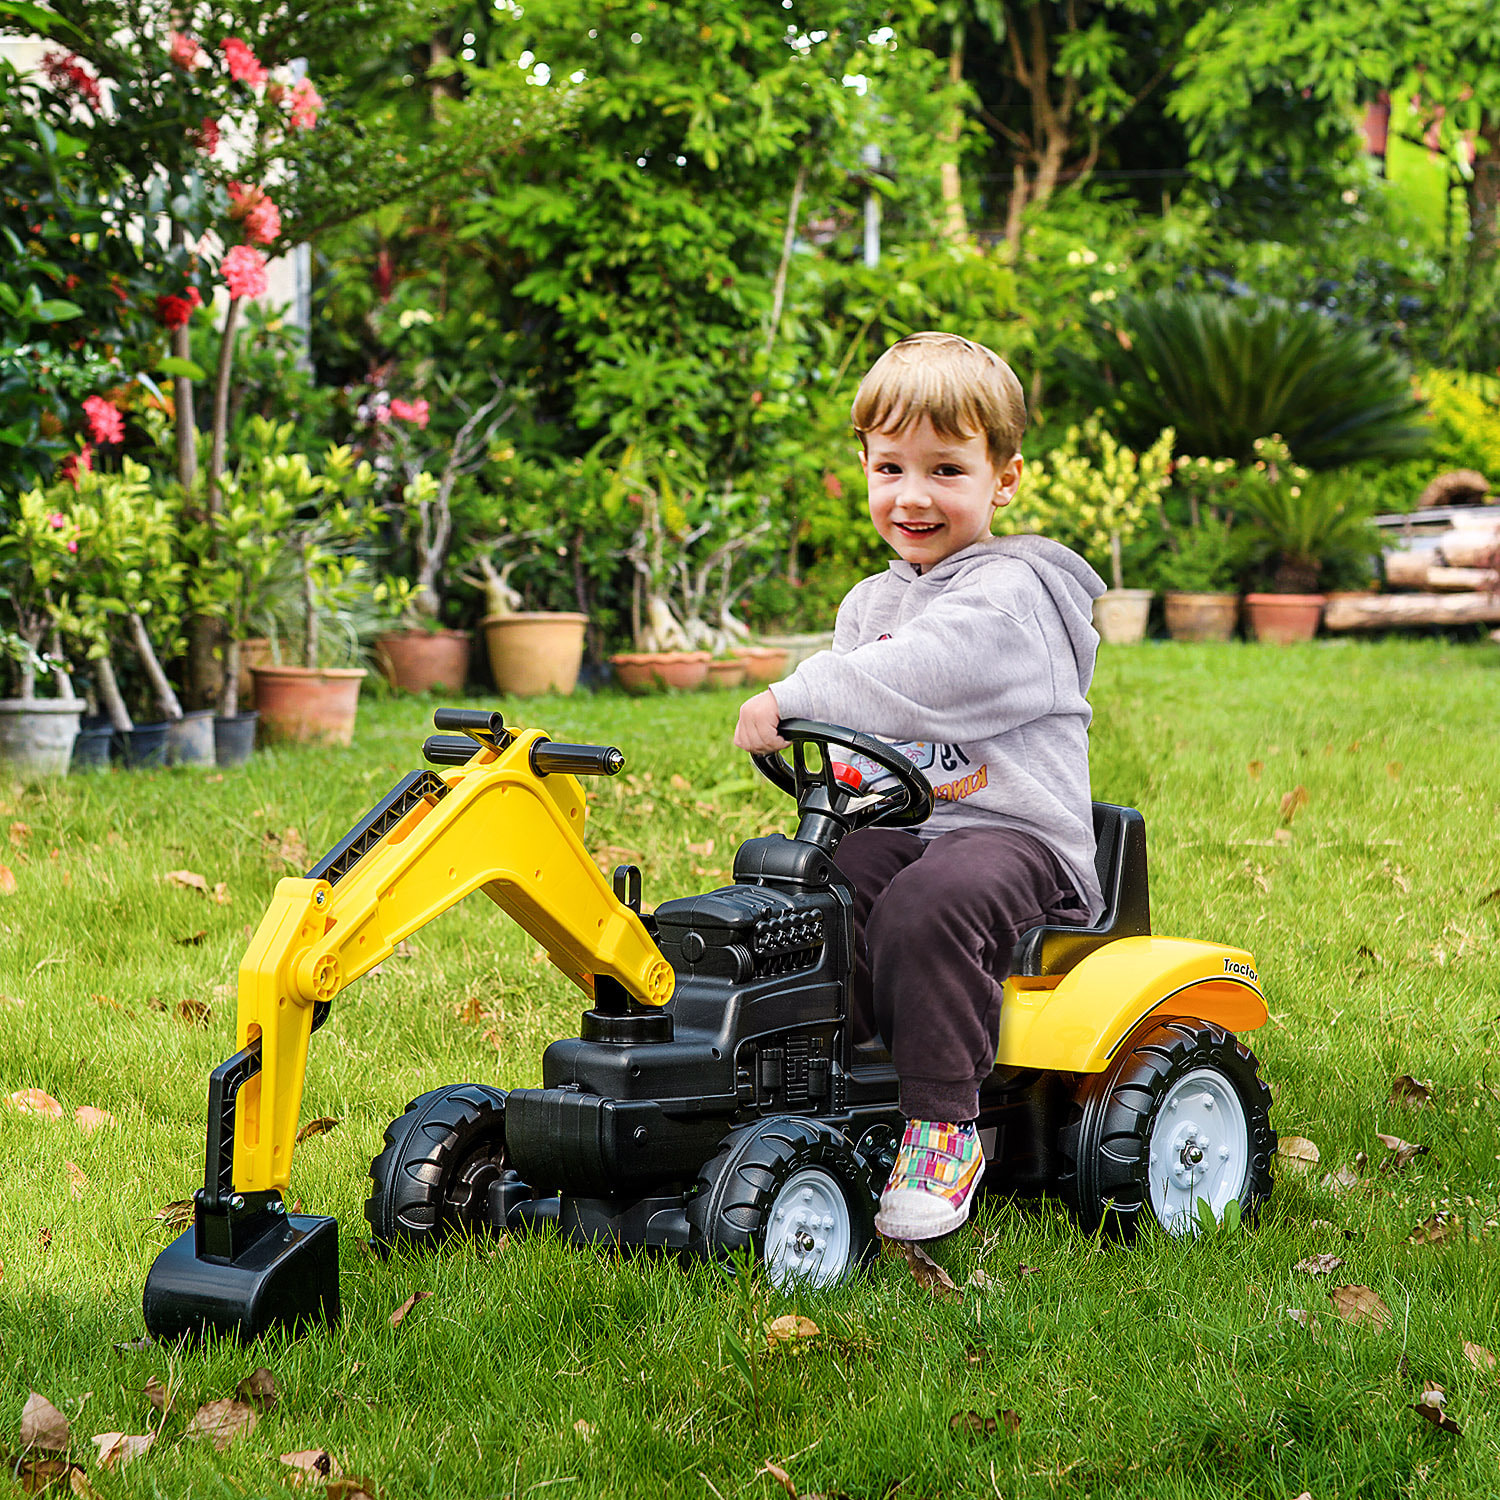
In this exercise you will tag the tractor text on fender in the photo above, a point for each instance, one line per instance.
(1244, 971)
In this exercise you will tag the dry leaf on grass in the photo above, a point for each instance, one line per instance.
(42, 1426)
(1478, 1356)
(321, 1126)
(1304, 1319)
(194, 1012)
(258, 1388)
(585, 1430)
(789, 1328)
(78, 1184)
(352, 1488)
(1319, 1265)
(401, 1312)
(1430, 1408)
(187, 880)
(1024, 1271)
(1339, 1182)
(287, 846)
(13, 1002)
(1358, 1304)
(44, 1238)
(19, 833)
(1293, 802)
(116, 1449)
(176, 1215)
(220, 895)
(160, 1396)
(1436, 1228)
(1297, 1154)
(1404, 1152)
(7, 881)
(194, 940)
(221, 1422)
(1413, 1091)
(980, 1279)
(781, 1477)
(971, 1424)
(34, 1102)
(311, 1466)
(924, 1269)
(34, 1475)
(90, 1119)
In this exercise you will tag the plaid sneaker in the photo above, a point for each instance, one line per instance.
(933, 1183)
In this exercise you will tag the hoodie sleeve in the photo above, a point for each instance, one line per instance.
(846, 625)
(968, 667)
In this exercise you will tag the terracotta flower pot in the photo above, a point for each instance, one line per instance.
(256, 652)
(308, 703)
(535, 653)
(1201, 617)
(633, 671)
(727, 673)
(798, 647)
(763, 663)
(1284, 618)
(37, 734)
(1120, 615)
(416, 661)
(681, 669)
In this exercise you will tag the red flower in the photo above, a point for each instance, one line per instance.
(244, 271)
(74, 465)
(173, 312)
(183, 50)
(411, 411)
(307, 104)
(244, 66)
(67, 74)
(251, 206)
(106, 421)
(206, 136)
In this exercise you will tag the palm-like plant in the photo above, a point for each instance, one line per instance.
(1224, 372)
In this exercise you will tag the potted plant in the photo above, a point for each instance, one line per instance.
(1094, 494)
(412, 649)
(1304, 523)
(37, 557)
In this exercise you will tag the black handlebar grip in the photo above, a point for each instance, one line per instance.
(576, 760)
(485, 720)
(450, 749)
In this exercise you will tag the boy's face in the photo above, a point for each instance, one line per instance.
(932, 496)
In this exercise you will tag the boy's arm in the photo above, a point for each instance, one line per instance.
(965, 669)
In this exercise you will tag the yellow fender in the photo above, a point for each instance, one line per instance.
(1077, 1024)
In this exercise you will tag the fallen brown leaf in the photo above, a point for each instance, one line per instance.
(1436, 1228)
(585, 1430)
(1297, 1154)
(116, 1449)
(789, 1328)
(352, 1488)
(401, 1312)
(287, 846)
(44, 1238)
(1319, 1265)
(19, 833)
(311, 1466)
(35, 1102)
(1478, 1356)
(1025, 1271)
(1254, 769)
(176, 1215)
(220, 895)
(781, 1477)
(1358, 1304)
(1430, 1408)
(1293, 802)
(13, 1002)
(221, 1422)
(980, 1279)
(7, 881)
(34, 1475)
(78, 1184)
(187, 880)
(90, 1119)
(971, 1424)
(1340, 1181)
(42, 1426)
(194, 1012)
(1413, 1091)
(321, 1126)
(195, 940)
(924, 1269)
(258, 1388)
(1403, 1152)
(1303, 1319)
(159, 1396)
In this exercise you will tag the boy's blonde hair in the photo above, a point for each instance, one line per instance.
(962, 388)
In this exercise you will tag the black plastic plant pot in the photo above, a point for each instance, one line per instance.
(191, 739)
(92, 746)
(234, 738)
(286, 1277)
(144, 747)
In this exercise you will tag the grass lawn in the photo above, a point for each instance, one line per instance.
(1160, 1371)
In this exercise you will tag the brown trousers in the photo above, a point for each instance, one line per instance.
(935, 926)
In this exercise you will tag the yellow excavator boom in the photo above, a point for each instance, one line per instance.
(494, 824)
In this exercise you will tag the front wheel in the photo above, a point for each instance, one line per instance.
(1181, 1119)
(793, 1190)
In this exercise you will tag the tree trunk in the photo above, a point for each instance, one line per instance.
(229, 698)
(955, 226)
(1384, 611)
(166, 699)
(310, 643)
(221, 403)
(778, 294)
(110, 697)
(1484, 192)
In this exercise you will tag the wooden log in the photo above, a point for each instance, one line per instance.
(1391, 611)
(1408, 570)
(1460, 580)
(1469, 549)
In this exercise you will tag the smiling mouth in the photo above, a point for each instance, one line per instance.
(918, 528)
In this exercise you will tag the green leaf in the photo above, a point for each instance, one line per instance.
(57, 310)
(738, 1359)
(172, 365)
(43, 22)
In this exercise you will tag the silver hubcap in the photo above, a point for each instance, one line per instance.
(808, 1235)
(1199, 1149)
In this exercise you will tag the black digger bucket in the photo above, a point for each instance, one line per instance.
(246, 1265)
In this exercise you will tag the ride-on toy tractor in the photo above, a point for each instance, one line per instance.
(713, 1098)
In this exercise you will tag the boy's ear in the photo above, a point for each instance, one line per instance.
(864, 460)
(1009, 481)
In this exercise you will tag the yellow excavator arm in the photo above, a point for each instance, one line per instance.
(496, 824)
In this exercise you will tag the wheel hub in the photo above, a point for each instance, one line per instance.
(1199, 1149)
(808, 1231)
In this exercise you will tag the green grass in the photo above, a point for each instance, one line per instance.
(1167, 1370)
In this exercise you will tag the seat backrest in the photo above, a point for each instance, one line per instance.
(1120, 860)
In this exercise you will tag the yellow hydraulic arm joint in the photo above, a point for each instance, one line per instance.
(494, 824)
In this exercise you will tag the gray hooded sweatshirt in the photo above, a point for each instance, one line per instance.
(978, 669)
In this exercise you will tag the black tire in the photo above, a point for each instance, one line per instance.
(744, 1188)
(1120, 1115)
(433, 1177)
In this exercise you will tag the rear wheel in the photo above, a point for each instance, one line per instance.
(433, 1177)
(1182, 1117)
(793, 1190)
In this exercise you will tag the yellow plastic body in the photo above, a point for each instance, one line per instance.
(501, 829)
(1076, 1024)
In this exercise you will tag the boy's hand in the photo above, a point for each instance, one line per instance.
(756, 731)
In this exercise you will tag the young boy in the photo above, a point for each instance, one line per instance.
(974, 654)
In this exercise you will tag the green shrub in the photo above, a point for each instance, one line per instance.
(1224, 373)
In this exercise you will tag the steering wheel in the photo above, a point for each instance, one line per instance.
(818, 789)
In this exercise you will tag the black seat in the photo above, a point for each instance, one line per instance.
(1120, 859)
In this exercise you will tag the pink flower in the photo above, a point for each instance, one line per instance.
(70, 468)
(411, 411)
(307, 104)
(244, 271)
(183, 50)
(73, 545)
(66, 73)
(244, 66)
(57, 520)
(106, 421)
(261, 217)
(206, 136)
